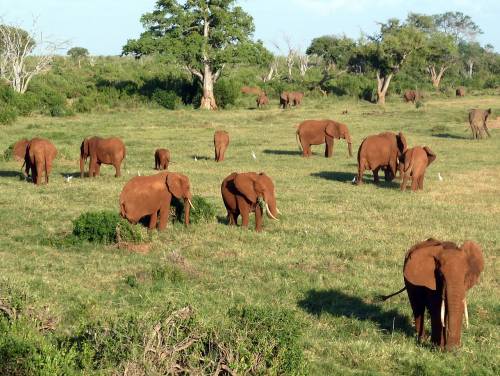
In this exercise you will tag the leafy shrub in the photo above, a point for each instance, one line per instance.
(204, 211)
(83, 105)
(226, 92)
(104, 227)
(7, 114)
(167, 99)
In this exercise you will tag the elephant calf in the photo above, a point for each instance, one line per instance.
(416, 161)
(162, 159)
(316, 132)
(221, 142)
(262, 100)
(437, 275)
(151, 195)
(246, 193)
(477, 122)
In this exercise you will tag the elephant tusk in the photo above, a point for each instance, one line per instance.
(269, 212)
(191, 204)
(466, 312)
(442, 313)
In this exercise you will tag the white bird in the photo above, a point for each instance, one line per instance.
(253, 155)
(68, 178)
(353, 180)
(195, 158)
(138, 173)
(440, 177)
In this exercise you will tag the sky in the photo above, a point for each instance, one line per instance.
(104, 26)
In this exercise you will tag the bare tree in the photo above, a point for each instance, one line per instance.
(303, 62)
(273, 70)
(18, 65)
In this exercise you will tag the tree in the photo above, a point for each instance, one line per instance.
(17, 64)
(457, 24)
(200, 35)
(78, 53)
(336, 51)
(387, 51)
(471, 53)
(441, 53)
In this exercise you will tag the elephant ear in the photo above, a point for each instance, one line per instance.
(332, 129)
(402, 145)
(245, 184)
(431, 156)
(475, 263)
(420, 264)
(174, 184)
(19, 149)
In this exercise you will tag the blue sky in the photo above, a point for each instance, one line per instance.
(103, 26)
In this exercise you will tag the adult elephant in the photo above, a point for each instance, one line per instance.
(381, 151)
(39, 154)
(284, 103)
(477, 122)
(317, 132)
(412, 96)
(437, 275)
(152, 195)
(101, 151)
(295, 98)
(245, 193)
(221, 142)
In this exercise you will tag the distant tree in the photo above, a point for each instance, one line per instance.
(200, 35)
(78, 54)
(387, 51)
(18, 65)
(471, 54)
(457, 24)
(336, 51)
(441, 53)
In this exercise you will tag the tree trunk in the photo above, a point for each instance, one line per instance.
(382, 86)
(437, 77)
(208, 99)
(471, 66)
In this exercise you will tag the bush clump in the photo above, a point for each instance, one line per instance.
(204, 210)
(226, 92)
(167, 99)
(105, 227)
(7, 114)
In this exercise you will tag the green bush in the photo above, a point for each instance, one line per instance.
(8, 114)
(226, 92)
(167, 99)
(83, 105)
(104, 227)
(204, 211)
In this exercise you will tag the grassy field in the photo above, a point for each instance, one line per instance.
(335, 247)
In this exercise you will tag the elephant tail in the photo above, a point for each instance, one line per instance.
(297, 138)
(383, 298)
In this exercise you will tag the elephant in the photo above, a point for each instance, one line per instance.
(244, 193)
(412, 96)
(152, 195)
(39, 153)
(101, 150)
(416, 160)
(284, 100)
(437, 275)
(381, 151)
(251, 90)
(287, 98)
(221, 142)
(262, 100)
(477, 122)
(316, 132)
(162, 159)
(460, 92)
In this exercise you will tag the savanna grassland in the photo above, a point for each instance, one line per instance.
(335, 247)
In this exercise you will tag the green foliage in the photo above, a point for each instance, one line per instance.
(353, 85)
(226, 92)
(77, 52)
(7, 114)
(104, 227)
(335, 50)
(167, 99)
(204, 210)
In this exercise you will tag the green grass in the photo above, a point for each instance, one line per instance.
(335, 247)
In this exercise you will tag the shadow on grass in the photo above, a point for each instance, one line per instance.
(449, 135)
(202, 157)
(223, 220)
(343, 177)
(11, 174)
(339, 304)
(282, 152)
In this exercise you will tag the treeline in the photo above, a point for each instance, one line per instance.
(433, 53)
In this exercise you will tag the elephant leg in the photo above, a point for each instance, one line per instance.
(361, 171)
(92, 167)
(97, 170)
(417, 302)
(40, 168)
(486, 130)
(404, 182)
(258, 218)
(375, 175)
(164, 215)
(221, 156)
(117, 169)
(414, 183)
(421, 182)
(153, 219)
(437, 330)
(245, 216)
(48, 169)
(328, 147)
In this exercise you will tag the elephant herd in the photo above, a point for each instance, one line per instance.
(287, 98)
(437, 274)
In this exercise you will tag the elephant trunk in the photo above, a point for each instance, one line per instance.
(454, 314)
(187, 208)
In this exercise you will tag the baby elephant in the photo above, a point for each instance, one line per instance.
(477, 122)
(221, 142)
(246, 193)
(162, 159)
(416, 160)
(262, 100)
